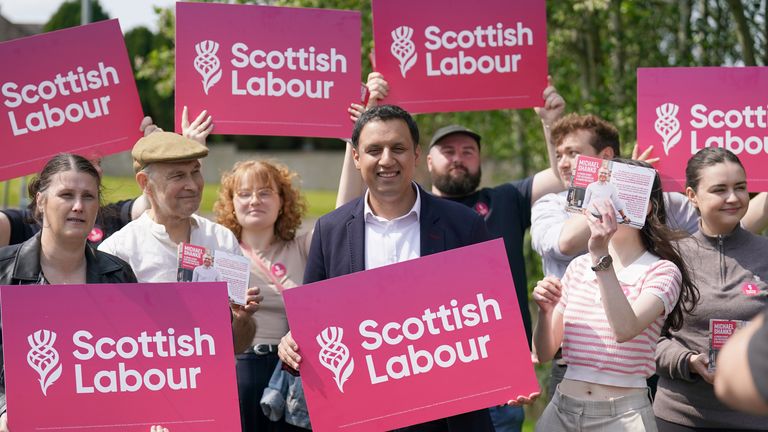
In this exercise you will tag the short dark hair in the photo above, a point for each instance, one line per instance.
(707, 157)
(385, 113)
(62, 162)
(604, 134)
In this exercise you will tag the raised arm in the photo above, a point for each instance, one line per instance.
(550, 113)
(548, 221)
(548, 180)
(574, 236)
(626, 319)
(350, 183)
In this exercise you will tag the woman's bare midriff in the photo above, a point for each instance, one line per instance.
(595, 392)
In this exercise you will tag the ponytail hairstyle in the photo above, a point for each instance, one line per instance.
(62, 162)
(705, 158)
(659, 239)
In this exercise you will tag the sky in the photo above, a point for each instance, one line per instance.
(131, 13)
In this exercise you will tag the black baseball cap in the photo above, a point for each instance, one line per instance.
(453, 129)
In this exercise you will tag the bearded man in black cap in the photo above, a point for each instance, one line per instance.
(454, 166)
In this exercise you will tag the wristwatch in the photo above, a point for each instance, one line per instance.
(603, 263)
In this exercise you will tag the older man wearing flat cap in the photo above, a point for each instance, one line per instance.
(167, 169)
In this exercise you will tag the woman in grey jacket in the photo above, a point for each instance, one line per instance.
(729, 267)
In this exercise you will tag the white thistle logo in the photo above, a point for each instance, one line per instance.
(207, 64)
(43, 358)
(334, 355)
(403, 48)
(667, 125)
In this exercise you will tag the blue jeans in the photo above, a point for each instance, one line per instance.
(507, 418)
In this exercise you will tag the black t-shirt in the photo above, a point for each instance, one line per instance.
(23, 227)
(507, 213)
(111, 218)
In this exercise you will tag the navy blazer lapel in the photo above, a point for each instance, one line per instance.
(432, 234)
(356, 237)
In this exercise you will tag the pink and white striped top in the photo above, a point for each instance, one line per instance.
(589, 347)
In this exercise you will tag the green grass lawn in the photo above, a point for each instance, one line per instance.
(528, 425)
(319, 202)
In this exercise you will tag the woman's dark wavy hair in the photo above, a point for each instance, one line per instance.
(659, 239)
(62, 162)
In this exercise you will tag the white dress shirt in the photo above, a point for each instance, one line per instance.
(392, 241)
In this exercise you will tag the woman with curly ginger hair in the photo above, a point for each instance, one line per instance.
(259, 203)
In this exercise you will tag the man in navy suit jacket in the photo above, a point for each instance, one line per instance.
(338, 243)
(352, 238)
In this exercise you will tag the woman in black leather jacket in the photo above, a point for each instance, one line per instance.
(65, 201)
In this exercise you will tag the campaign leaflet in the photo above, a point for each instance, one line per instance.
(720, 330)
(453, 55)
(67, 91)
(200, 264)
(627, 187)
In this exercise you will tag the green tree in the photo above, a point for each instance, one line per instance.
(69, 13)
(140, 41)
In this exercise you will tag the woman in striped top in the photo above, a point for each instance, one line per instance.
(607, 313)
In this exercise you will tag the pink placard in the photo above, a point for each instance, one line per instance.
(457, 55)
(411, 342)
(66, 91)
(266, 70)
(682, 110)
(119, 357)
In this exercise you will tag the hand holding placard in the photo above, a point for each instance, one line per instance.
(288, 351)
(524, 400)
(199, 129)
(698, 363)
(554, 105)
(378, 88)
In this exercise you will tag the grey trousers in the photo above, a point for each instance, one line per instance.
(632, 413)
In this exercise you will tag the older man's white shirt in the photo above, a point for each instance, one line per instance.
(146, 246)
